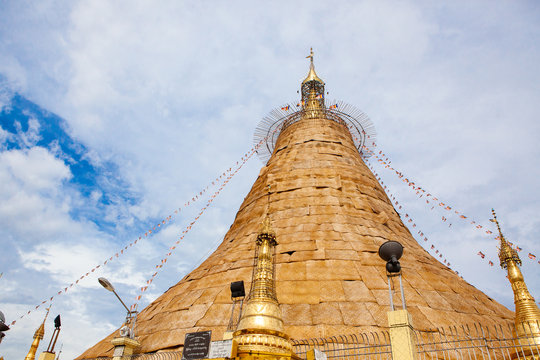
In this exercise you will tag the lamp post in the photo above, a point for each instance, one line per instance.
(125, 344)
(107, 285)
(128, 329)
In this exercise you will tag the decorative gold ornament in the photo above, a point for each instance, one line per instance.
(527, 320)
(260, 329)
(312, 75)
(38, 336)
(312, 92)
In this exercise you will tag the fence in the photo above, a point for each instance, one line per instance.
(457, 342)
(474, 342)
(372, 345)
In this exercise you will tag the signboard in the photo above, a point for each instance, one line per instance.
(221, 349)
(315, 354)
(196, 345)
(319, 355)
(118, 351)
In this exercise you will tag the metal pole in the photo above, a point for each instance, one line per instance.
(57, 330)
(390, 292)
(402, 294)
(50, 342)
(230, 326)
(239, 313)
(133, 322)
(121, 301)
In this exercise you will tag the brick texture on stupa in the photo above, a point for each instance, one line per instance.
(330, 216)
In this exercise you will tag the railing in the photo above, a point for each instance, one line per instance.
(372, 345)
(474, 342)
(357, 123)
(463, 342)
(478, 342)
(166, 355)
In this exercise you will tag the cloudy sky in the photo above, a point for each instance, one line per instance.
(114, 114)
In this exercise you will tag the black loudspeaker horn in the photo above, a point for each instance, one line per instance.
(57, 322)
(237, 289)
(391, 251)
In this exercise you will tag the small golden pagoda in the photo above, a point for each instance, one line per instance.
(527, 320)
(260, 329)
(38, 336)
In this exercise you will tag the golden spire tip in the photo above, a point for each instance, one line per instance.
(312, 75)
(310, 56)
(266, 226)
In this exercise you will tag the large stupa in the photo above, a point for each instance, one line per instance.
(330, 215)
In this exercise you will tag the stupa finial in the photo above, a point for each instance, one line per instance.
(506, 252)
(312, 75)
(38, 336)
(312, 88)
(527, 319)
(266, 224)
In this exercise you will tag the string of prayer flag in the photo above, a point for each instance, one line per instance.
(226, 176)
(381, 158)
(409, 219)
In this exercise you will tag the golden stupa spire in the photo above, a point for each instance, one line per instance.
(312, 75)
(260, 329)
(266, 225)
(312, 91)
(38, 336)
(527, 319)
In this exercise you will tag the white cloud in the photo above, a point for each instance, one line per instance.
(35, 169)
(31, 180)
(4, 136)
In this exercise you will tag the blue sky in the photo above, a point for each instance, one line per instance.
(114, 114)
